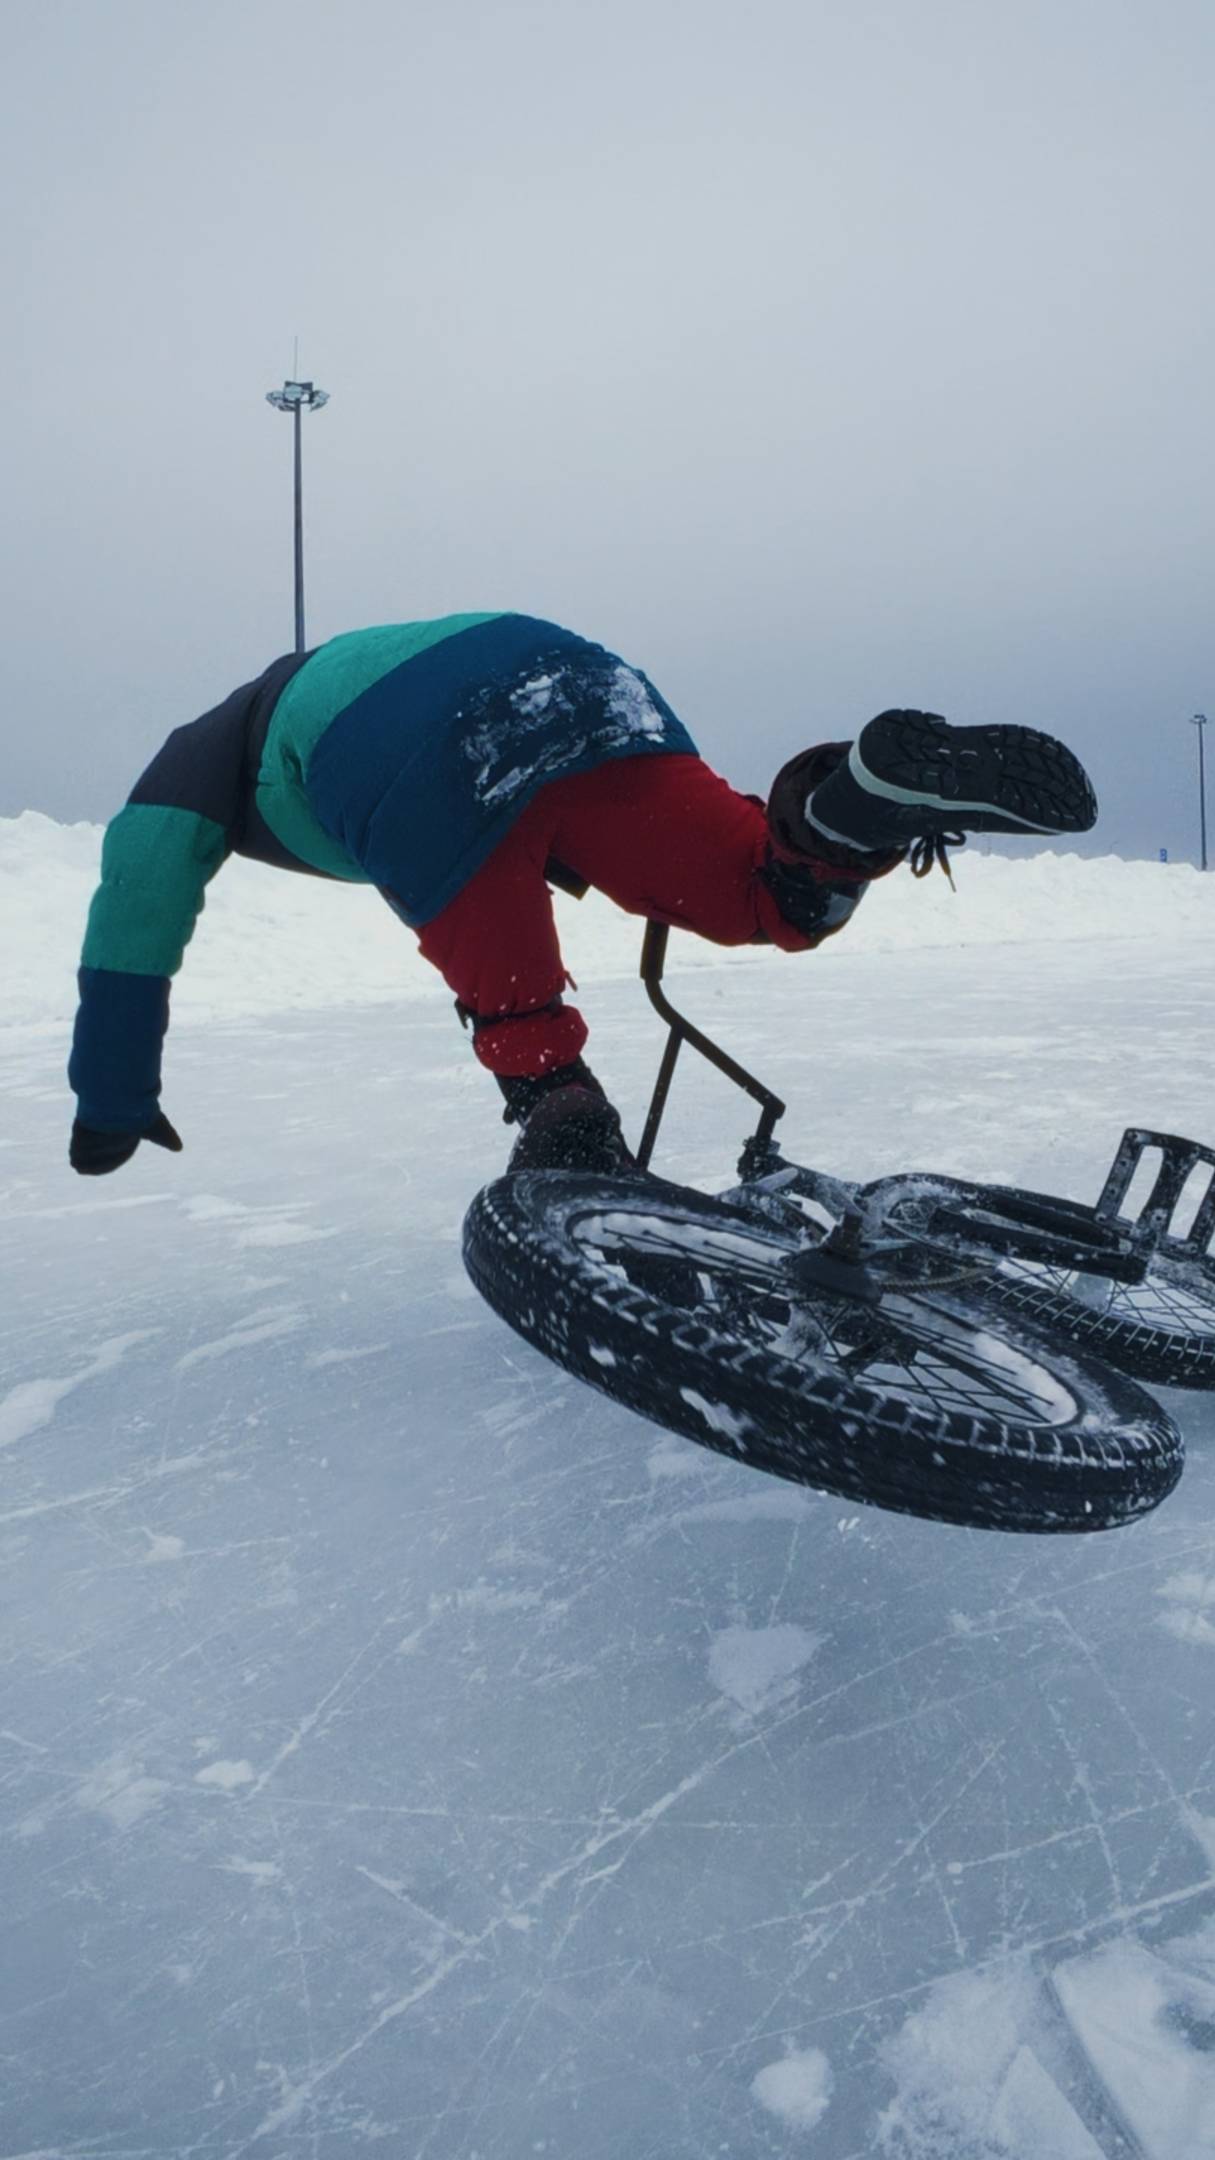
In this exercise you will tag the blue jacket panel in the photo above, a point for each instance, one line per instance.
(420, 777)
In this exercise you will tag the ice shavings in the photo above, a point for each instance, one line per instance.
(1148, 2029)
(982, 2071)
(797, 2089)
(970, 2080)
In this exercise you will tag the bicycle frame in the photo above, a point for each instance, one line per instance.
(760, 1151)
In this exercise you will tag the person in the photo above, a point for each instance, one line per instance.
(467, 765)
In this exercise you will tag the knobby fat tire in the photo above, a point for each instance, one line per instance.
(1116, 1458)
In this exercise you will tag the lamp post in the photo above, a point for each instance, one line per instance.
(292, 398)
(1199, 720)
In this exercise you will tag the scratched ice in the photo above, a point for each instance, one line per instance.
(404, 1751)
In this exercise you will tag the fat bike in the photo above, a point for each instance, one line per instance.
(967, 1353)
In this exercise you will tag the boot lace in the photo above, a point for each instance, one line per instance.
(928, 853)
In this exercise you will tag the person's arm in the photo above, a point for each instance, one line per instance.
(155, 865)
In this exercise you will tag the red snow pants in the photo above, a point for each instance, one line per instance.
(662, 836)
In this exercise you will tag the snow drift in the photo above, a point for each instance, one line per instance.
(272, 942)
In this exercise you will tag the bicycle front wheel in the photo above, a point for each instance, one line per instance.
(706, 1319)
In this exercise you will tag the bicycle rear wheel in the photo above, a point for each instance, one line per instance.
(1063, 1266)
(707, 1319)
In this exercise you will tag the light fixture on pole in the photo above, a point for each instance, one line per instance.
(1199, 720)
(292, 398)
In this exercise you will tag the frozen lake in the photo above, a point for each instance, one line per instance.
(403, 1750)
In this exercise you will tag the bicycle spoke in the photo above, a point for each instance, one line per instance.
(902, 1345)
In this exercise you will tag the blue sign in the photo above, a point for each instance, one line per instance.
(1164, 854)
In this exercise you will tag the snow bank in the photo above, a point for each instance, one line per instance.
(271, 942)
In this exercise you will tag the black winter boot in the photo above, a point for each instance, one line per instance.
(568, 1122)
(911, 776)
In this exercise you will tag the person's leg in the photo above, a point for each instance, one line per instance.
(667, 838)
(663, 837)
(496, 946)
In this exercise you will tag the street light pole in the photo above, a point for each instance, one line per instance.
(1199, 721)
(292, 398)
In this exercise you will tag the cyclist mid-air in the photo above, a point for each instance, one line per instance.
(464, 766)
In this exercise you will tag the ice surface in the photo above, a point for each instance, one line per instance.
(405, 1751)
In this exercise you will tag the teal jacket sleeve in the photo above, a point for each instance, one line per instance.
(155, 865)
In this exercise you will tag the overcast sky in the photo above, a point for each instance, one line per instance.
(817, 357)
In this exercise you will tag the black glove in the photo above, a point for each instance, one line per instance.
(94, 1153)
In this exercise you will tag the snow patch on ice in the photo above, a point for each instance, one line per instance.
(162, 1547)
(780, 1503)
(263, 1871)
(226, 1776)
(254, 1227)
(1148, 2030)
(1202, 1830)
(979, 2071)
(319, 1359)
(757, 1667)
(32, 1404)
(1190, 1607)
(280, 1229)
(209, 1207)
(798, 2089)
(490, 1598)
(970, 2084)
(119, 1790)
(258, 1328)
(673, 1458)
